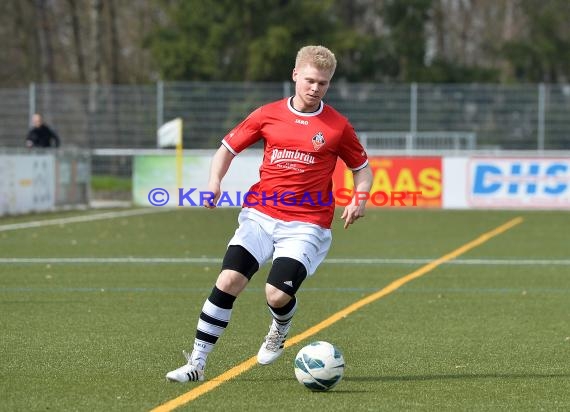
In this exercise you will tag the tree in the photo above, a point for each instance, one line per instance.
(542, 53)
(230, 40)
(406, 20)
(255, 40)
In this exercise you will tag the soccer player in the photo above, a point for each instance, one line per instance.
(288, 214)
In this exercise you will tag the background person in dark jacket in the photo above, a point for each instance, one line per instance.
(41, 135)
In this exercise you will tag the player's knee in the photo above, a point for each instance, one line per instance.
(231, 282)
(239, 259)
(285, 276)
(276, 298)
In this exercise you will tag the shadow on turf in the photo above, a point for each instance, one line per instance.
(461, 376)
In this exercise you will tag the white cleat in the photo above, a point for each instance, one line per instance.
(191, 372)
(274, 343)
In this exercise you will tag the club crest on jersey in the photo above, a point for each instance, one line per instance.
(318, 140)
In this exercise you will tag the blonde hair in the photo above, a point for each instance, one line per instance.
(317, 56)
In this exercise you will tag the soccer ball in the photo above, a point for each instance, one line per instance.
(319, 366)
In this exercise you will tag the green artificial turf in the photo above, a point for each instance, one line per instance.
(82, 327)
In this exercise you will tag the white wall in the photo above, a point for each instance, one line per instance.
(27, 183)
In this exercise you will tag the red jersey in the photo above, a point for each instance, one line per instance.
(300, 154)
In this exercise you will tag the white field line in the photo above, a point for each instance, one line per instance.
(331, 261)
(78, 219)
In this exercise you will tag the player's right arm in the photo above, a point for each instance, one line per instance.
(219, 167)
(243, 135)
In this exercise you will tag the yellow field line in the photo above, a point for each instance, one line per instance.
(248, 364)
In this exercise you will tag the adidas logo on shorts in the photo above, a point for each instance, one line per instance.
(289, 283)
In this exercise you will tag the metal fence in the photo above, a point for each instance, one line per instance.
(410, 142)
(509, 117)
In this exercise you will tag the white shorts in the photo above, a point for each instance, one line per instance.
(266, 237)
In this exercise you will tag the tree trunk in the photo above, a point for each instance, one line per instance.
(440, 30)
(95, 77)
(114, 43)
(96, 41)
(75, 28)
(45, 42)
(114, 71)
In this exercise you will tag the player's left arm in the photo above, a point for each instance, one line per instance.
(362, 185)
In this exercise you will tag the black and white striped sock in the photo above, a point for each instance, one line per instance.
(214, 319)
(284, 314)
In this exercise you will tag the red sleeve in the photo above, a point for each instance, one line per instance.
(244, 134)
(351, 151)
